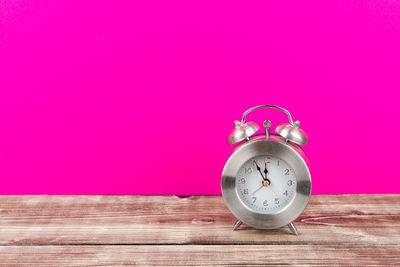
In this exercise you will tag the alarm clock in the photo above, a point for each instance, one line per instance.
(266, 182)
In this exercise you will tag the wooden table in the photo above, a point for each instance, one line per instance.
(172, 231)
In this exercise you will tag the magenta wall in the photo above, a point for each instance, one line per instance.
(137, 97)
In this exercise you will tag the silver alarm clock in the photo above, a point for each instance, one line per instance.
(266, 182)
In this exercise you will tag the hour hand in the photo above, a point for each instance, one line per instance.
(265, 170)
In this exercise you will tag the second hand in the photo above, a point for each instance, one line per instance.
(273, 191)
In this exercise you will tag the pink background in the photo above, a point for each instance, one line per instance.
(138, 97)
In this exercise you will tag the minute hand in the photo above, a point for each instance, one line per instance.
(259, 170)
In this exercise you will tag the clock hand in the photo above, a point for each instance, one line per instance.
(265, 170)
(258, 189)
(273, 191)
(264, 183)
(259, 170)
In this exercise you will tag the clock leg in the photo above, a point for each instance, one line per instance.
(293, 228)
(237, 224)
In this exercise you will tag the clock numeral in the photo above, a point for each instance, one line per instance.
(276, 200)
(289, 183)
(246, 191)
(277, 162)
(254, 199)
(248, 170)
(243, 181)
(287, 172)
(285, 193)
(265, 203)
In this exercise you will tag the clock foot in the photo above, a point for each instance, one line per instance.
(237, 224)
(293, 228)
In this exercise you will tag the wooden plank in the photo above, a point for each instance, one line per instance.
(199, 255)
(328, 219)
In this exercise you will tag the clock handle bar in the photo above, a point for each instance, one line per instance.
(267, 106)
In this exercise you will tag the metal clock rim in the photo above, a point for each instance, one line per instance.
(269, 220)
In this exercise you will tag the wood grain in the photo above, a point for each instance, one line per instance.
(197, 231)
(199, 255)
(328, 219)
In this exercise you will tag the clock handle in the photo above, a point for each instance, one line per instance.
(268, 106)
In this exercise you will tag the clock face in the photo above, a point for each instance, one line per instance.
(266, 184)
